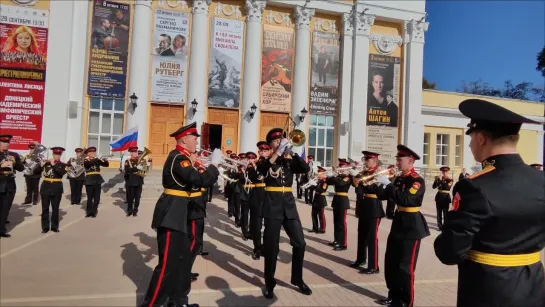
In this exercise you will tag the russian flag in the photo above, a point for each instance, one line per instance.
(304, 154)
(128, 139)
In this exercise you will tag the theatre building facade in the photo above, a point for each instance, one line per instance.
(346, 73)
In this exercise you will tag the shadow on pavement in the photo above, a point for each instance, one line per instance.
(232, 299)
(17, 215)
(135, 268)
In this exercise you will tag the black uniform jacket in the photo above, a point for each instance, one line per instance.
(342, 185)
(179, 174)
(320, 192)
(368, 202)
(280, 174)
(80, 177)
(499, 210)
(92, 170)
(257, 194)
(7, 174)
(444, 184)
(37, 172)
(234, 184)
(131, 173)
(54, 172)
(245, 186)
(407, 190)
(197, 205)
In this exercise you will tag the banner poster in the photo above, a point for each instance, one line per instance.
(383, 106)
(225, 63)
(324, 86)
(169, 56)
(109, 49)
(277, 68)
(23, 59)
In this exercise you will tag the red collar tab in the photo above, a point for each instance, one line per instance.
(186, 132)
(408, 173)
(183, 150)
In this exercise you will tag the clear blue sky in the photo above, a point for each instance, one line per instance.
(491, 40)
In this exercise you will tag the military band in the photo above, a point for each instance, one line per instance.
(443, 184)
(52, 189)
(32, 180)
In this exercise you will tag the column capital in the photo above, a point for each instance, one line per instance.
(302, 17)
(363, 23)
(348, 24)
(254, 10)
(201, 6)
(414, 30)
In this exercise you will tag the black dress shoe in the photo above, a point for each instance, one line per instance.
(256, 255)
(333, 243)
(55, 230)
(304, 288)
(369, 271)
(5, 235)
(129, 213)
(135, 213)
(194, 275)
(357, 264)
(385, 302)
(88, 215)
(203, 253)
(45, 230)
(93, 215)
(321, 231)
(26, 202)
(339, 248)
(190, 305)
(312, 230)
(268, 293)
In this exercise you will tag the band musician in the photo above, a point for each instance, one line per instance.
(133, 181)
(76, 184)
(52, 189)
(443, 184)
(495, 231)
(280, 210)
(309, 192)
(93, 180)
(10, 163)
(172, 276)
(340, 205)
(319, 202)
(257, 198)
(247, 193)
(32, 181)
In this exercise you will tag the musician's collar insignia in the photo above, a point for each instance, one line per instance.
(487, 163)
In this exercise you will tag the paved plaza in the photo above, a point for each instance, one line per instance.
(108, 261)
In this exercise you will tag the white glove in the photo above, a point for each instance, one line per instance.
(383, 180)
(284, 142)
(140, 167)
(282, 148)
(354, 172)
(216, 156)
(330, 174)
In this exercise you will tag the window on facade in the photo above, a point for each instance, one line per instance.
(441, 150)
(321, 139)
(458, 151)
(106, 122)
(426, 151)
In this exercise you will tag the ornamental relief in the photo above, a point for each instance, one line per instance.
(229, 11)
(326, 25)
(177, 5)
(385, 44)
(278, 18)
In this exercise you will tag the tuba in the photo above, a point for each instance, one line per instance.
(143, 162)
(34, 159)
(76, 167)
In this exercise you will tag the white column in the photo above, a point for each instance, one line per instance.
(139, 70)
(412, 109)
(301, 72)
(249, 127)
(197, 86)
(360, 59)
(343, 137)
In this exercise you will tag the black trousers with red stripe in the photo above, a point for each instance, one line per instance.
(399, 266)
(172, 276)
(196, 228)
(339, 225)
(368, 241)
(318, 218)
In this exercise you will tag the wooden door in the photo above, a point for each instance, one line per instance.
(229, 120)
(205, 135)
(164, 119)
(271, 120)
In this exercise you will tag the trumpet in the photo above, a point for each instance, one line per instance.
(228, 162)
(369, 180)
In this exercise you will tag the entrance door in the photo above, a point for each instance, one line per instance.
(216, 132)
(228, 119)
(164, 119)
(271, 120)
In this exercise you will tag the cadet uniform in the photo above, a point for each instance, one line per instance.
(409, 227)
(257, 198)
(245, 196)
(309, 192)
(442, 198)
(340, 205)
(235, 188)
(226, 187)
(7, 182)
(93, 182)
(76, 184)
(32, 182)
(370, 212)
(171, 277)
(319, 203)
(133, 183)
(204, 201)
(495, 230)
(51, 191)
(280, 210)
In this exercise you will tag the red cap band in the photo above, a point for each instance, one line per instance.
(185, 132)
(276, 134)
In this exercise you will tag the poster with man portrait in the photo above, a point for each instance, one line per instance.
(110, 28)
(169, 56)
(324, 87)
(383, 105)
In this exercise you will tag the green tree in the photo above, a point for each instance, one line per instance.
(521, 91)
(541, 62)
(428, 85)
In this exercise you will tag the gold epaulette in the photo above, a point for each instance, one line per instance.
(486, 170)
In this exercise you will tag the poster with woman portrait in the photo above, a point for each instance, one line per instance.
(23, 59)
(169, 56)
(383, 105)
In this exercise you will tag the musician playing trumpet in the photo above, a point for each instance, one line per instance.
(257, 197)
(246, 193)
(76, 184)
(52, 189)
(340, 205)
(134, 181)
(93, 180)
(319, 202)
(443, 184)
(369, 212)
(32, 181)
(10, 162)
